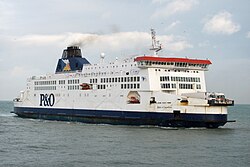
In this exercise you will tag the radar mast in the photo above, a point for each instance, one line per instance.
(156, 45)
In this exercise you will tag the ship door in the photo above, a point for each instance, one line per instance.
(177, 114)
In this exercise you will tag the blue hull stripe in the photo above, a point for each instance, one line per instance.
(124, 117)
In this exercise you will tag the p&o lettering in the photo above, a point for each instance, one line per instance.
(47, 100)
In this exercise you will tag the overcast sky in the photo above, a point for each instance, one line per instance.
(34, 33)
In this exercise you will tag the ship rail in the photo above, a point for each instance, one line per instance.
(213, 98)
(221, 102)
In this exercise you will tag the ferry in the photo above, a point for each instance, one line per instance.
(140, 90)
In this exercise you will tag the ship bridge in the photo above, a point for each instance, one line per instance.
(172, 63)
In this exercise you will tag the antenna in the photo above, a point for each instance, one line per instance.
(102, 56)
(156, 46)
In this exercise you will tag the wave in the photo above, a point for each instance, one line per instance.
(7, 114)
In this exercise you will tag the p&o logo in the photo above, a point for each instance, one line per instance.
(47, 100)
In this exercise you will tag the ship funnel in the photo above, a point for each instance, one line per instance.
(71, 60)
(71, 51)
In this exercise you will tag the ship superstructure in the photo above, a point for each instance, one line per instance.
(140, 90)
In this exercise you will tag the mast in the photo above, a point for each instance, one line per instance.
(156, 45)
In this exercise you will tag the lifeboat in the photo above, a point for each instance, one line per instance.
(86, 86)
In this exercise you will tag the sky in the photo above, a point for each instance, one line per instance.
(34, 33)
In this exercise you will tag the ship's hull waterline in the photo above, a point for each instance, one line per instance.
(124, 117)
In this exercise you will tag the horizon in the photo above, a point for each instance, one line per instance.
(34, 34)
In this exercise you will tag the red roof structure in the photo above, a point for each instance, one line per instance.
(179, 60)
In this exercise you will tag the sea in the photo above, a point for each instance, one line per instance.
(41, 143)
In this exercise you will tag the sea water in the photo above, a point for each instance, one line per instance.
(34, 142)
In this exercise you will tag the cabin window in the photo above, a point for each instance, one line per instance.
(186, 86)
(165, 85)
(198, 86)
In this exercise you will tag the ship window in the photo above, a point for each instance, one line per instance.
(138, 79)
(198, 86)
(186, 86)
(165, 85)
(138, 86)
